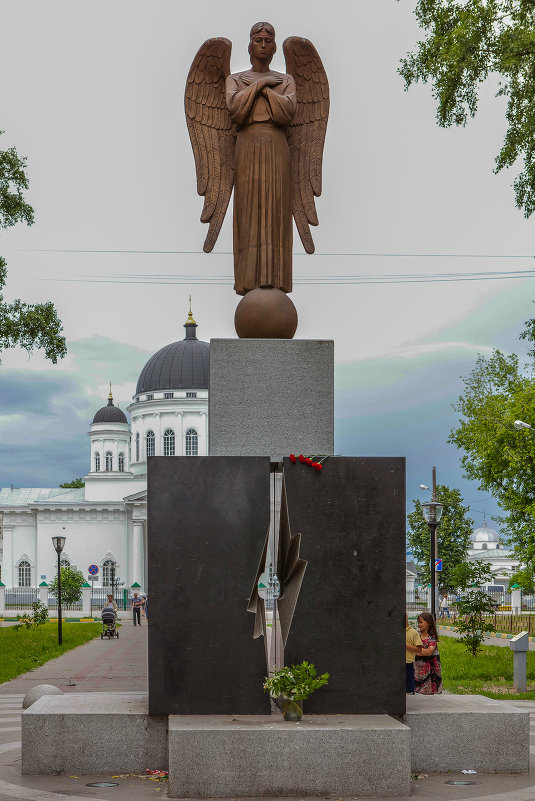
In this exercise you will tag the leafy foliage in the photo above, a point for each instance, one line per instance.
(296, 682)
(72, 581)
(39, 616)
(524, 578)
(497, 392)
(466, 40)
(22, 324)
(474, 604)
(76, 483)
(453, 535)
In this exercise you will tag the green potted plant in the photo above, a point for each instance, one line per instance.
(291, 685)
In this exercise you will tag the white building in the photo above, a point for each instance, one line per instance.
(486, 547)
(105, 522)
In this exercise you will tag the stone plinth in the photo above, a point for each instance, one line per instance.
(92, 733)
(344, 755)
(458, 732)
(270, 397)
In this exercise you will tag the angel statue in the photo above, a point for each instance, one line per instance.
(261, 132)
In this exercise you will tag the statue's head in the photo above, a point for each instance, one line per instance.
(262, 41)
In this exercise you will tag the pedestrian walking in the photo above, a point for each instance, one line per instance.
(137, 603)
(110, 604)
(146, 606)
(444, 607)
(427, 667)
(413, 646)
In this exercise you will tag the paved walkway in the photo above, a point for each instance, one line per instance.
(98, 666)
(121, 666)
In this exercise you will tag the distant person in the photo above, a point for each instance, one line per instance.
(137, 603)
(110, 604)
(146, 606)
(427, 667)
(445, 607)
(413, 646)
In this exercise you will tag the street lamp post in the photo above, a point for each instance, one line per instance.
(432, 513)
(59, 544)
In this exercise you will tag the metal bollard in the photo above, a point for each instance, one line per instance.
(519, 646)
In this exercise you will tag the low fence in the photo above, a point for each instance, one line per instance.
(20, 599)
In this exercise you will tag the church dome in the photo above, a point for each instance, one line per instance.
(485, 534)
(180, 365)
(110, 413)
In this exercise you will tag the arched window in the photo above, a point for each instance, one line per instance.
(97, 462)
(150, 443)
(109, 461)
(484, 546)
(108, 572)
(25, 574)
(137, 447)
(168, 442)
(121, 463)
(192, 442)
(64, 563)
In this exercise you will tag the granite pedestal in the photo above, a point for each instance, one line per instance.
(345, 755)
(458, 732)
(92, 733)
(270, 397)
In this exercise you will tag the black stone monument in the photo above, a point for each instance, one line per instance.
(207, 522)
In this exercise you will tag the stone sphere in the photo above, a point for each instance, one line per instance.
(37, 692)
(265, 313)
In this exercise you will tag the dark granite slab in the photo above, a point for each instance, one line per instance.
(348, 618)
(207, 523)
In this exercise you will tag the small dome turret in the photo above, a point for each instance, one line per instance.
(110, 413)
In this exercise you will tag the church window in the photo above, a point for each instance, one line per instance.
(108, 572)
(109, 461)
(169, 442)
(168, 395)
(64, 563)
(150, 443)
(25, 574)
(137, 447)
(483, 546)
(150, 397)
(191, 394)
(97, 462)
(121, 463)
(192, 442)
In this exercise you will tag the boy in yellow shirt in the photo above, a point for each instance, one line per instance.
(413, 646)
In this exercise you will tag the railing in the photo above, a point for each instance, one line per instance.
(21, 597)
(53, 604)
(99, 598)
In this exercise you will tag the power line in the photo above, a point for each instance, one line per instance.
(299, 253)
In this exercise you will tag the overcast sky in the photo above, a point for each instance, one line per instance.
(92, 94)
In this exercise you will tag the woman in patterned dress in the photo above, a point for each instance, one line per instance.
(427, 667)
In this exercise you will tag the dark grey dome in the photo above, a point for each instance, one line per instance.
(180, 365)
(110, 414)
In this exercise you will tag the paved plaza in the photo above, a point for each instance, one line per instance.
(120, 666)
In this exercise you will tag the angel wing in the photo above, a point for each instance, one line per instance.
(306, 133)
(211, 131)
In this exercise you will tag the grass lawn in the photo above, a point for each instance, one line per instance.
(26, 649)
(490, 673)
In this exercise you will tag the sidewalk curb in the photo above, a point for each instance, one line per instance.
(499, 635)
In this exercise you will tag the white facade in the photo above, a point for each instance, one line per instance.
(486, 547)
(105, 522)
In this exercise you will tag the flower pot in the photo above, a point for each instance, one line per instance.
(291, 710)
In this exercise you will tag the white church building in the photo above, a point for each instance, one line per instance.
(105, 522)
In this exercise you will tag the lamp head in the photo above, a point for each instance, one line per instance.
(432, 511)
(58, 543)
(424, 487)
(520, 425)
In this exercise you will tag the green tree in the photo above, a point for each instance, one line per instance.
(498, 391)
(524, 579)
(453, 535)
(475, 604)
(76, 483)
(465, 42)
(23, 324)
(72, 581)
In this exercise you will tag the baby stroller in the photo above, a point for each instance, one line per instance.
(108, 624)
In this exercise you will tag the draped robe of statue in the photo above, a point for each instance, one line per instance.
(262, 181)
